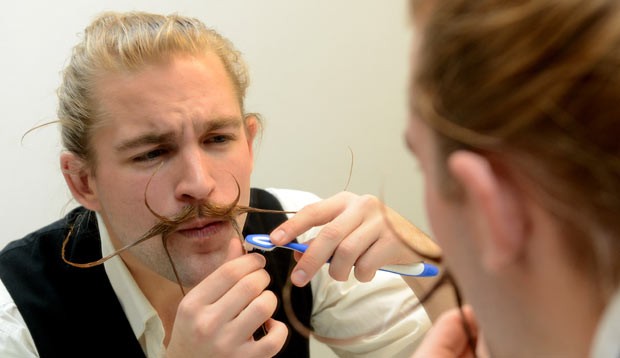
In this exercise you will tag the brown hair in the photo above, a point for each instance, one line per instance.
(535, 86)
(125, 42)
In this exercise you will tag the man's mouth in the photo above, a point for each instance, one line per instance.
(200, 228)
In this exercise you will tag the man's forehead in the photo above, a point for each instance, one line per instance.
(190, 90)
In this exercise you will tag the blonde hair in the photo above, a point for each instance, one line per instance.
(125, 42)
(535, 86)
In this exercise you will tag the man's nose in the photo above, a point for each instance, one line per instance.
(195, 180)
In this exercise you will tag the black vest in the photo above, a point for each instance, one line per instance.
(74, 312)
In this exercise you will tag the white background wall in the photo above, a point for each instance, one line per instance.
(327, 75)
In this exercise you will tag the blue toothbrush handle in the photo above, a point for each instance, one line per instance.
(418, 269)
(297, 246)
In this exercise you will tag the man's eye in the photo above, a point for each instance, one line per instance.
(150, 155)
(218, 139)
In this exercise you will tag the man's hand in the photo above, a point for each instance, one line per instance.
(360, 233)
(218, 317)
(447, 337)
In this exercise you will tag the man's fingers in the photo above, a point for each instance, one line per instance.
(315, 214)
(447, 337)
(270, 344)
(243, 294)
(259, 310)
(226, 276)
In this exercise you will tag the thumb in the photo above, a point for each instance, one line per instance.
(447, 337)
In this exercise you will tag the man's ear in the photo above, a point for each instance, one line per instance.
(497, 206)
(252, 127)
(79, 180)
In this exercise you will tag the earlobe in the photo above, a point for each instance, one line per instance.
(497, 206)
(78, 179)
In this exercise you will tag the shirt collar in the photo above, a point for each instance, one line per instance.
(140, 313)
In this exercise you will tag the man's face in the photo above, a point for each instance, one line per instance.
(177, 124)
(421, 143)
(449, 222)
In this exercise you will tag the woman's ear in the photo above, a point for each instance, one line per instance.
(79, 180)
(497, 206)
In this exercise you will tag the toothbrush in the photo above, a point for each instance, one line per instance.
(419, 269)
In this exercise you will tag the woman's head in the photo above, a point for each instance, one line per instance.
(117, 43)
(533, 86)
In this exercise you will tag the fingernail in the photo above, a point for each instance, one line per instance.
(277, 236)
(299, 277)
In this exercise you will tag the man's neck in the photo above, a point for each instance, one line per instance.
(163, 294)
(554, 314)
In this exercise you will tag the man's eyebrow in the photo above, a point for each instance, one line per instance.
(144, 140)
(158, 138)
(220, 123)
